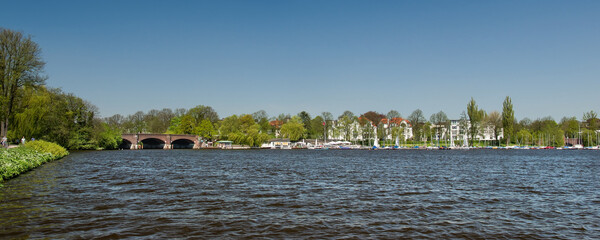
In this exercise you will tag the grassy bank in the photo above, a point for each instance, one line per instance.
(18, 160)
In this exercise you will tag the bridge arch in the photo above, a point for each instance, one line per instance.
(152, 143)
(182, 143)
(126, 144)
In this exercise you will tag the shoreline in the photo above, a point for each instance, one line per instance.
(18, 159)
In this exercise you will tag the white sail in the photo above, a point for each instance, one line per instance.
(376, 143)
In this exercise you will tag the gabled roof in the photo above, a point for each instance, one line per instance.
(276, 123)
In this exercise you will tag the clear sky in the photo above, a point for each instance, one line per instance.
(289, 56)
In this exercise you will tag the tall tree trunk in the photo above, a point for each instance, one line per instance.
(4, 128)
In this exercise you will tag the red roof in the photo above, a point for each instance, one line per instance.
(276, 123)
(396, 121)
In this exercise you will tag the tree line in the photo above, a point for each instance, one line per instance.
(29, 108)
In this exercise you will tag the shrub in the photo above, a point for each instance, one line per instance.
(47, 147)
(18, 160)
(15, 161)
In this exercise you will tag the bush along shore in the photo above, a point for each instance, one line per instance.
(18, 160)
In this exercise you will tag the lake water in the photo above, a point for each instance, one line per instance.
(532, 194)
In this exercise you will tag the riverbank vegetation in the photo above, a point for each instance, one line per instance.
(15, 161)
(31, 109)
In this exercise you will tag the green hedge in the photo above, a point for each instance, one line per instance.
(47, 147)
(15, 161)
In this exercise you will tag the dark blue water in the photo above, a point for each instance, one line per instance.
(532, 194)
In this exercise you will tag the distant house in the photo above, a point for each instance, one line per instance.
(458, 132)
(406, 126)
(399, 122)
(225, 144)
(277, 125)
(280, 143)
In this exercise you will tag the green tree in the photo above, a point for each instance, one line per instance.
(570, 126)
(30, 118)
(376, 121)
(260, 114)
(546, 132)
(173, 126)
(524, 137)
(306, 122)
(417, 119)
(246, 122)
(203, 112)
(591, 118)
(243, 130)
(255, 138)
(108, 137)
(494, 121)
(115, 121)
(439, 121)
(346, 121)
(20, 65)
(589, 137)
(390, 124)
(206, 130)
(317, 129)
(427, 131)
(158, 121)
(262, 119)
(365, 128)
(135, 123)
(229, 125)
(293, 129)
(186, 126)
(525, 123)
(508, 119)
(69, 121)
(476, 115)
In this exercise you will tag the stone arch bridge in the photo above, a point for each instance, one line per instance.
(159, 141)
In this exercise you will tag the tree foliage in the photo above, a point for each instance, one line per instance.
(200, 112)
(417, 119)
(591, 119)
(439, 121)
(493, 120)
(346, 122)
(317, 129)
(20, 65)
(508, 119)
(52, 115)
(206, 130)
(476, 116)
(570, 126)
(242, 130)
(108, 137)
(374, 117)
(293, 129)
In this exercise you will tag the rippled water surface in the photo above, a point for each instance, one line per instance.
(533, 194)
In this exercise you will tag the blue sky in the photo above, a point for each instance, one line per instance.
(290, 56)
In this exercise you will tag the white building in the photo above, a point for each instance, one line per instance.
(337, 132)
(460, 132)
